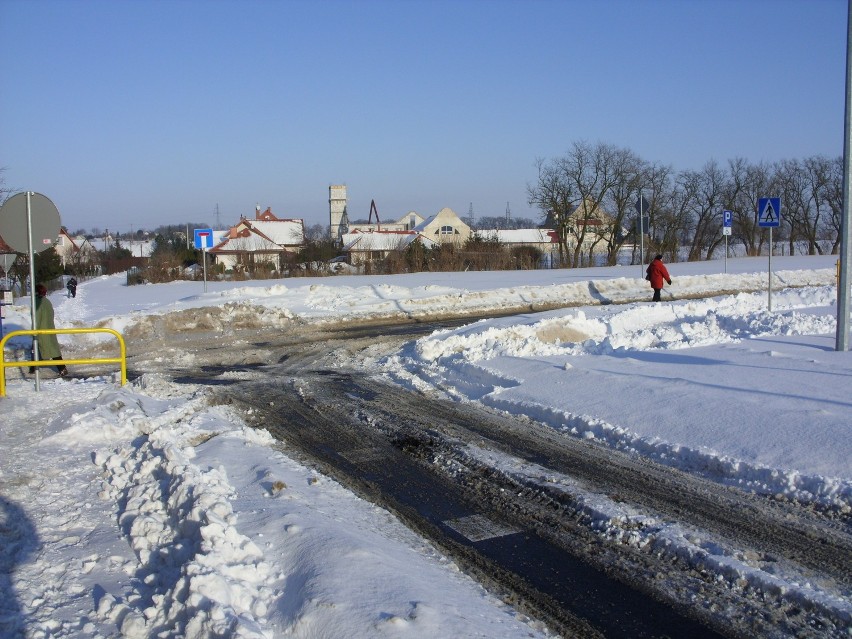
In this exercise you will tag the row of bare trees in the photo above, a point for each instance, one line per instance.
(590, 195)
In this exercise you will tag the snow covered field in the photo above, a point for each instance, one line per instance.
(143, 511)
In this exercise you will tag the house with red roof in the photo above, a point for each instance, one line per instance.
(266, 239)
(74, 250)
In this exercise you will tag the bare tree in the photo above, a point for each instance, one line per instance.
(706, 189)
(630, 173)
(803, 188)
(658, 189)
(571, 191)
(591, 171)
(492, 222)
(749, 183)
(834, 200)
(316, 232)
(5, 191)
(818, 176)
(552, 194)
(679, 220)
(686, 208)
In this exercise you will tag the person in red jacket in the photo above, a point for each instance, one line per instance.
(656, 274)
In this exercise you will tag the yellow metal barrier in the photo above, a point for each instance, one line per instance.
(122, 359)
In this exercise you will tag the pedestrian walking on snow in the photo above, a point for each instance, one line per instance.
(656, 274)
(72, 287)
(48, 345)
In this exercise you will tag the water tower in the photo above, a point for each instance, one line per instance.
(338, 221)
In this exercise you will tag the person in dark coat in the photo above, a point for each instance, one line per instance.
(48, 345)
(72, 287)
(656, 274)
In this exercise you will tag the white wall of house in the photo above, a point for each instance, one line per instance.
(544, 240)
(74, 249)
(374, 245)
(445, 227)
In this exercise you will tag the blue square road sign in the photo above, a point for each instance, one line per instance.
(203, 238)
(769, 212)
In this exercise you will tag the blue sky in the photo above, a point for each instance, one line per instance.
(139, 113)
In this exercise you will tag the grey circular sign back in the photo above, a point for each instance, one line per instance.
(44, 217)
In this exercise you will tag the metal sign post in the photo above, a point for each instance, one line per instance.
(843, 287)
(727, 221)
(31, 256)
(769, 216)
(642, 226)
(204, 241)
(769, 283)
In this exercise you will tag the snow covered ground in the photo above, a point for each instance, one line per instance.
(142, 511)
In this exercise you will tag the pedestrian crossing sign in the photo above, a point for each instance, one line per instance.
(769, 212)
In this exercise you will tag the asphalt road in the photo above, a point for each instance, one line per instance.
(426, 460)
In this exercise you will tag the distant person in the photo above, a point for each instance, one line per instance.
(656, 274)
(48, 345)
(72, 287)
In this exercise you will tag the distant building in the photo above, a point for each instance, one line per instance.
(588, 225)
(265, 239)
(338, 222)
(74, 250)
(407, 222)
(545, 240)
(371, 245)
(445, 227)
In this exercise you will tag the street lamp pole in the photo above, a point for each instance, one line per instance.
(843, 283)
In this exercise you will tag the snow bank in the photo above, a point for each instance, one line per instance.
(551, 366)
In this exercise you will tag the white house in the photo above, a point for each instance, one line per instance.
(546, 240)
(74, 250)
(445, 227)
(265, 239)
(367, 246)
